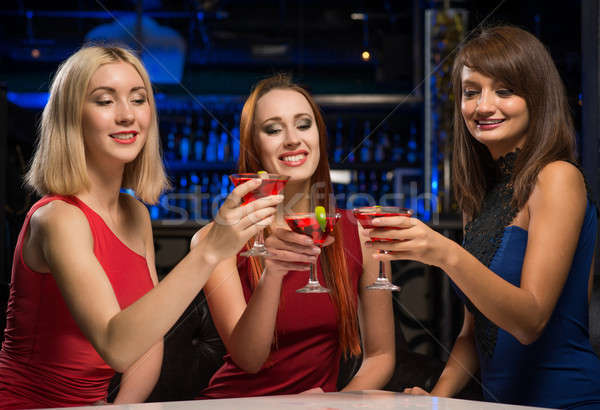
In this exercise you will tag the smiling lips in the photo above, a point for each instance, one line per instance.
(294, 159)
(486, 125)
(124, 137)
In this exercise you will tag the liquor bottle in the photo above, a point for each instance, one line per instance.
(170, 152)
(374, 186)
(367, 142)
(382, 146)
(235, 138)
(412, 155)
(211, 147)
(205, 207)
(224, 187)
(338, 152)
(199, 141)
(397, 148)
(184, 142)
(351, 142)
(182, 189)
(362, 186)
(195, 191)
(385, 185)
(223, 147)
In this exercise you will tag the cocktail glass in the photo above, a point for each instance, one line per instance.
(365, 216)
(307, 224)
(272, 184)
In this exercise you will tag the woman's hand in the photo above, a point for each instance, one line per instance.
(312, 391)
(235, 224)
(413, 240)
(416, 391)
(290, 251)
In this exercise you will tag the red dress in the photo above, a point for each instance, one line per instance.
(307, 353)
(45, 360)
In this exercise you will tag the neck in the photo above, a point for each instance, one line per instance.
(102, 193)
(502, 148)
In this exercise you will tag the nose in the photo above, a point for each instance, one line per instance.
(124, 113)
(292, 139)
(485, 103)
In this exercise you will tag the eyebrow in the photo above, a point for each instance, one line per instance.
(470, 82)
(295, 117)
(112, 90)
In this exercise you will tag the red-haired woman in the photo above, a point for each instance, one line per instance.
(524, 271)
(280, 341)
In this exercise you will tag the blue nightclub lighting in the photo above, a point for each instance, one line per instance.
(35, 101)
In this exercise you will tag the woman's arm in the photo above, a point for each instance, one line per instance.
(139, 379)
(461, 366)
(556, 210)
(376, 317)
(247, 330)
(123, 336)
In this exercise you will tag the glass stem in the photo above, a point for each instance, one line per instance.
(313, 273)
(382, 268)
(260, 239)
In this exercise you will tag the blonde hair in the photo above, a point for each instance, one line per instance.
(59, 164)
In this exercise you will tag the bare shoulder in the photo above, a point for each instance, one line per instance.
(561, 182)
(59, 216)
(561, 174)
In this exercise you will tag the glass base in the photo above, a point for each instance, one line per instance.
(256, 250)
(383, 284)
(313, 287)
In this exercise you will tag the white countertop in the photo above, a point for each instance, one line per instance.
(370, 399)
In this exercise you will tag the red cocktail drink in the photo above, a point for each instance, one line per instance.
(365, 216)
(308, 225)
(272, 184)
(318, 229)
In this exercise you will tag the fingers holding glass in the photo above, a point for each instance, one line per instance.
(388, 218)
(270, 184)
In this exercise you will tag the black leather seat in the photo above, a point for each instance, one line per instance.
(194, 351)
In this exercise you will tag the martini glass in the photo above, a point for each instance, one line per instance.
(307, 224)
(272, 184)
(365, 216)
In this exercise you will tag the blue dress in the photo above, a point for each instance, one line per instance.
(560, 369)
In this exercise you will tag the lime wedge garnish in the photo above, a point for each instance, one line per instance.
(321, 217)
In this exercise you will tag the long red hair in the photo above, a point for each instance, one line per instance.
(333, 261)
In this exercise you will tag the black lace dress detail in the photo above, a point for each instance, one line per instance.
(483, 236)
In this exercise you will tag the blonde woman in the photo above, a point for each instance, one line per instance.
(84, 298)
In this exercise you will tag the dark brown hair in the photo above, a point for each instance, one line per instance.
(520, 61)
(332, 257)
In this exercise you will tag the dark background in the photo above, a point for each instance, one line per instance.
(233, 43)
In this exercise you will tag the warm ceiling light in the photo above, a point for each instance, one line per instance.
(35, 53)
(366, 56)
(358, 16)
